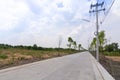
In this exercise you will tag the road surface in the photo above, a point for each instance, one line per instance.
(81, 66)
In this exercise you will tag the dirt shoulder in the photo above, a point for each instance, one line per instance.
(113, 58)
(112, 65)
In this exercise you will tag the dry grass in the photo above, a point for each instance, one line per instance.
(114, 58)
(20, 56)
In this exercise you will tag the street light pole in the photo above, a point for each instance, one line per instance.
(97, 31)
(97, 10)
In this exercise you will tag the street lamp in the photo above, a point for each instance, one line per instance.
(86, 20)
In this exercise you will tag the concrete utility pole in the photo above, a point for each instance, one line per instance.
(97, 10)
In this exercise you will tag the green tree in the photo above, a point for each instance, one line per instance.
(109, 48)
(35, 47)
(115, 46)
(101, 37)
(102, 41)
(69, 45)
(112, 47)
(74, 44)
(79, 46)
(70, 40)
(93, 44)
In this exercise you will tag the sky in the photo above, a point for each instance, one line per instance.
(44, 22)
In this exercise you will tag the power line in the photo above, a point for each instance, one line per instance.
(97, 10)
(108, 12)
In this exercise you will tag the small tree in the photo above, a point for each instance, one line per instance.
(35, 47)
(115, 46)
(74, 44)
(93, 44)
(79, 46)
(69, 45)
(102, 41)
(70, 40)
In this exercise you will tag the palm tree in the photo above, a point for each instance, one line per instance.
(70, 40)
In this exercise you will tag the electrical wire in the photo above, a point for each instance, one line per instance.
(108, 11)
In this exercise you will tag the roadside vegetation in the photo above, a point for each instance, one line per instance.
(73, 45)
(109, 54)
(17, 55)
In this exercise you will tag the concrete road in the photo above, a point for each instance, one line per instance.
(79, 66)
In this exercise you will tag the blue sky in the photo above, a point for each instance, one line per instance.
(42, 22)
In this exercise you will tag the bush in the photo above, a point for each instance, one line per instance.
(112, 53)
(119, 51)
(3, 56)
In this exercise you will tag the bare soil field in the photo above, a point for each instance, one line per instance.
(114, 58)
(112, 65)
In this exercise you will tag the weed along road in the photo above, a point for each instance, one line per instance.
(81, 66)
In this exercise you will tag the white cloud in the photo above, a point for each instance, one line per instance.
(44, 21)
(11, 12)
(116, 8)
(75, 31)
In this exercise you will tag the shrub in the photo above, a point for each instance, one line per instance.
(112, 53)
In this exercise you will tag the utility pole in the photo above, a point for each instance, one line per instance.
(97, 10)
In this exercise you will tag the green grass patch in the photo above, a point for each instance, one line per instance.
(3, 56)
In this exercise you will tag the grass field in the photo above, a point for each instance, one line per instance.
(15, 56)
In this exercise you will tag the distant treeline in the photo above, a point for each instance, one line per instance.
(34, 47)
